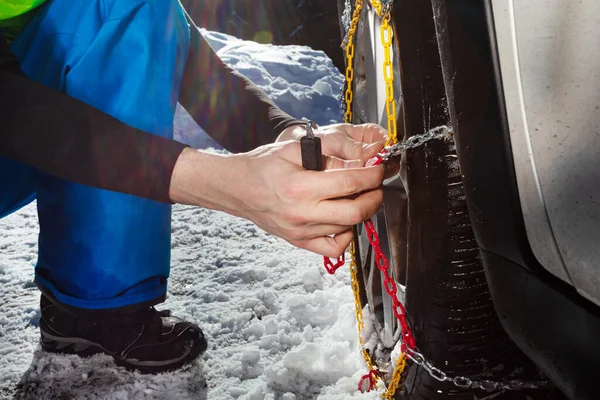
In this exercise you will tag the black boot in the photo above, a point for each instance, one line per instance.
(148, 341)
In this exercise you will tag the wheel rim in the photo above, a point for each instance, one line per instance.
(390, 220)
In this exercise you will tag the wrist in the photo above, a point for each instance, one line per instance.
(204, 179)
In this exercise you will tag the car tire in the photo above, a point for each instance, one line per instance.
(426, 234)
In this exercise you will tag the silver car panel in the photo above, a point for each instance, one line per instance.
(550, 64)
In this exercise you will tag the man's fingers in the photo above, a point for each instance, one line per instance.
(327, 246)
(332, 162)
(316, 230)
(347, 211)
(371, 150)
(347, 148)
(367, 133)
(342, 146)
(342, 182)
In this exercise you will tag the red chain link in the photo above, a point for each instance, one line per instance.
(330, 266)
(375, 160)
(371, 378)
(390, 286)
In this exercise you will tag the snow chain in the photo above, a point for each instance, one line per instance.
(350, 60)
(388, 71)
(392, 149)
(357, 307)
(373, 375)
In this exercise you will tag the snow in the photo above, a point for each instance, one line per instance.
(279, 326)
(301, 81)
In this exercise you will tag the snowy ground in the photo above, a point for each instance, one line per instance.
(279, 326)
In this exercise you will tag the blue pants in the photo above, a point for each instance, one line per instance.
(100, 249)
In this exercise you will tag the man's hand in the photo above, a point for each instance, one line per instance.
(314, 210)
(344, 141)
(350, 145)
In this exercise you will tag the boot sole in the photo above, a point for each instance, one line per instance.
(85, 348)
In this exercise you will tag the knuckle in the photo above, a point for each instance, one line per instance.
(299, 243)
(379, 132)
(294, 218)
(350, 184)
(289, 233)
(357, 215)
(294, 191)
(295, 235)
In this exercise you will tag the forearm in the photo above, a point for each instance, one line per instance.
(207, 180)
(227, 105)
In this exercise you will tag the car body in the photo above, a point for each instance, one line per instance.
(526, 98)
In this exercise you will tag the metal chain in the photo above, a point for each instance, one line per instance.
(353, 25)
(408, 345)
(371, 379)
(466, 383)
(413, 142)
(462, 382)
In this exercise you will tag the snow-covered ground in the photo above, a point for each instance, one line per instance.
(301, 81)
(279, 326)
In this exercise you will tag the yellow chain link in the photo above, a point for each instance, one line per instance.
(350, 60)
(393, 386)
(377, 6)
(388, 76)
(348, 119)
(388, 72)
(357, 305)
